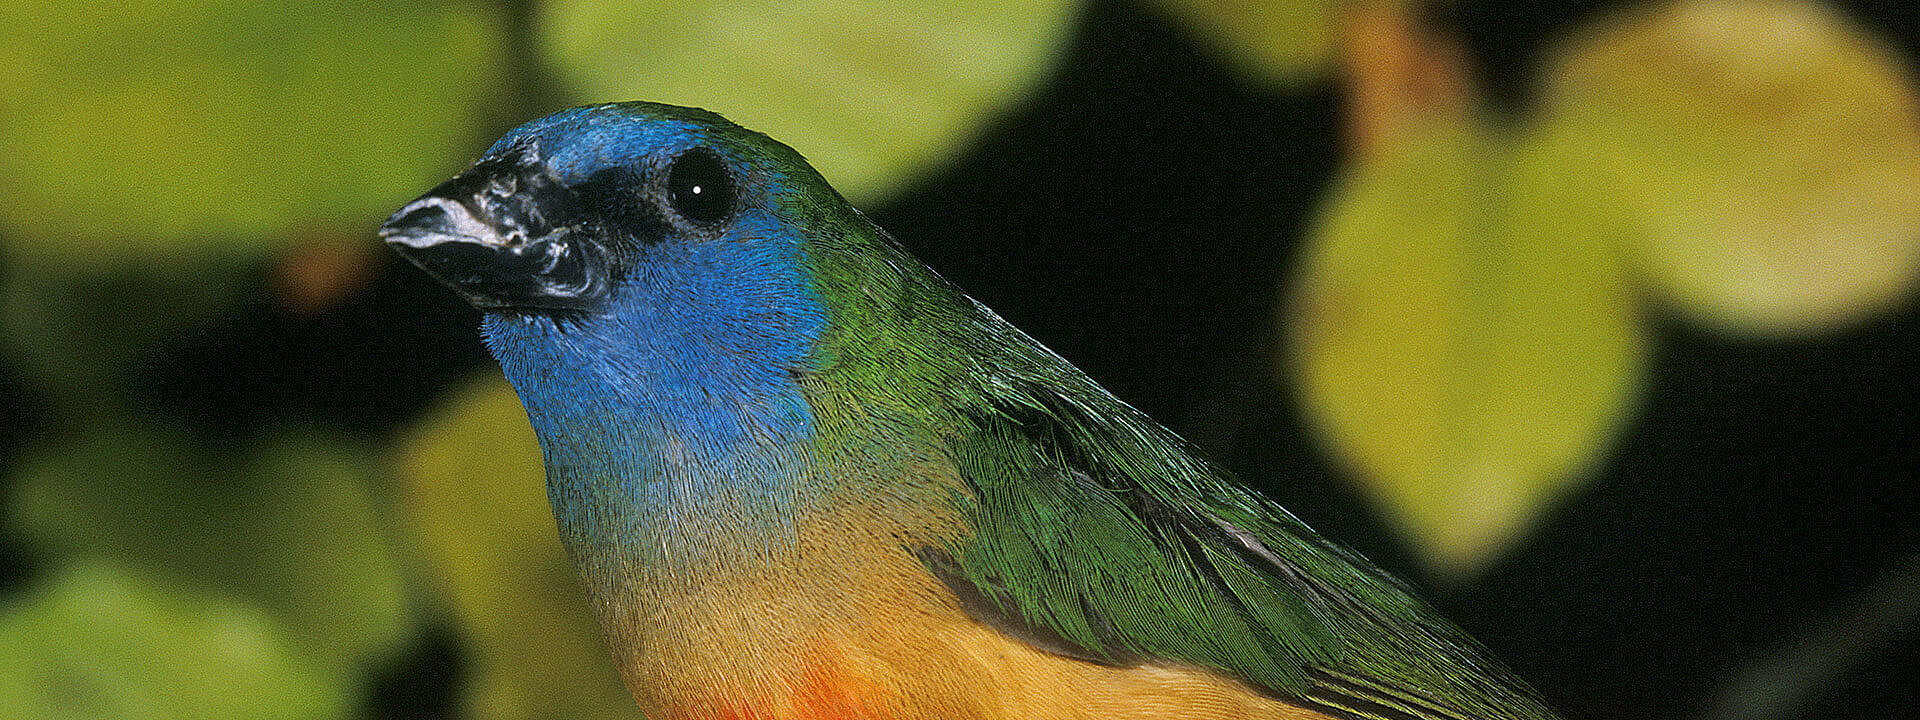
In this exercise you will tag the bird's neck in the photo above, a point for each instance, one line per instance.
(689, 488)
(674, 435)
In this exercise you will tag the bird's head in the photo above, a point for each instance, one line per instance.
(655, 284)
(657, 258)
(565, 213)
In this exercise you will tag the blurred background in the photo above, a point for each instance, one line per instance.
(1596, 320)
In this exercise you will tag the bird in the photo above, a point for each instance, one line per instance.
(802, 476)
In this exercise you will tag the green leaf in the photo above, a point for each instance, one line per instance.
(475, 501)
(288, 525)
(97, 643)
(136, 132)
(871, 92)
(1278, 44)
(1464, 336)
(1769, 152)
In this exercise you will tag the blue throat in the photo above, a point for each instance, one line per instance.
(670, 422)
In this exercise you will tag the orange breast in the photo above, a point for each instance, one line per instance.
(826, 695)
(848, 625)
(822, 693)
(964, 671)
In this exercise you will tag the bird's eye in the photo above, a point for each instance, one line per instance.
(700, 187)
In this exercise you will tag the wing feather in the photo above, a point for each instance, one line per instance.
(1100, 536)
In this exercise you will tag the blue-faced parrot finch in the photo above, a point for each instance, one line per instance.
(802, 476)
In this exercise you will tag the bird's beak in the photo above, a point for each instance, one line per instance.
(487, 234)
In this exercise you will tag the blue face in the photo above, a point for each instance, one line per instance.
(648, 294)
(613, 218)
(564, 208)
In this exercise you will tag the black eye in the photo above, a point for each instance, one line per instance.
(700, 187)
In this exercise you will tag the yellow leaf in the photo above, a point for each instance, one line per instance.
(475, 500)
(1464, 337)
(871, 92)
(145, 131)
(1274, 42)
(1768, 149)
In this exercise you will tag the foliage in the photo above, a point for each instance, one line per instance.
(1465, 332)
(97, 642)
(872, 93)
(1465, 327)
(145, 132)
(474, 500)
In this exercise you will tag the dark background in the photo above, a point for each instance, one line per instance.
(1760, 511)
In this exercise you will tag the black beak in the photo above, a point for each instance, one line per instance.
(488, 234)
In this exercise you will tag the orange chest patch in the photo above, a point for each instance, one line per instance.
(821, 693)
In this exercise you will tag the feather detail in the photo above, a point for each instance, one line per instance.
(1103, 538)
(823, 692)
(1099, 529)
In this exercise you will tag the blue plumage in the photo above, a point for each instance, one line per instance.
(672, 403)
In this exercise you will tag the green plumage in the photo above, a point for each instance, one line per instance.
(1099, 534)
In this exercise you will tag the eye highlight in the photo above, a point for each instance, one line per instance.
(700, 187)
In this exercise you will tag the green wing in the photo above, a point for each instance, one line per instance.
(1100, 535)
